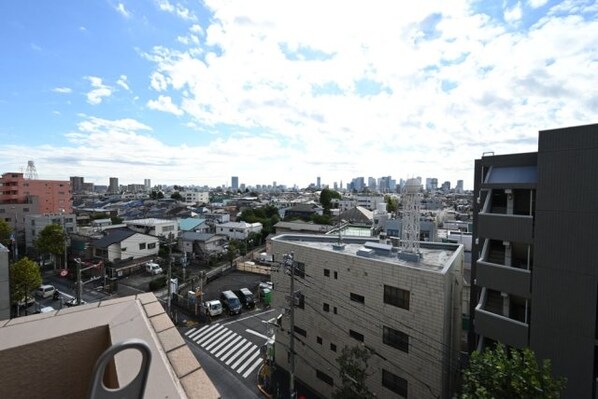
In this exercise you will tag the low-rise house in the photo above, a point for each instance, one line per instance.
(121, 244)
(303, 211)
(299, 226)
(162, 228)
(238, 230)
(194, 224)
(201, 244)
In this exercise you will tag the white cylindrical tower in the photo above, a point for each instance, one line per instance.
(410, 229)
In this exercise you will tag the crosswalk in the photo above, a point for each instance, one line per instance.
(236, 352)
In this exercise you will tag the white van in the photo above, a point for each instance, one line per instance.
(45, 291)
(213, 308)
(153, 268)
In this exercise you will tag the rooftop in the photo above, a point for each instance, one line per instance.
(436, 257)
(148, 221)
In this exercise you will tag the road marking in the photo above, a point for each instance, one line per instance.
(205, 331)
(190, 331)
(192, 336)
(258, 334)
(220, 331)
(251, 359)
(248, 317)
(224, 342)
(240, 351)
(222, 339)
(228, 346)
(253, 350)
(230, 352)
(205, 337)
(253, 366)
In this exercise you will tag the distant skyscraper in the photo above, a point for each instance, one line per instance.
(459, 188)
(234, 183)
(318, 184)
(113, 187)
(446, 186)
(76, 184)
(148, 184)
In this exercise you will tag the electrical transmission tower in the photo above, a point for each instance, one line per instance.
(31, 172)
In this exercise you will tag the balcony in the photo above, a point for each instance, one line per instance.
(503, 278)
(489, 323)
(506, 227)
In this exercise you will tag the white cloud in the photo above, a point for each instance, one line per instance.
(176, 9)
(120, 7)
(158, 82)
(99, 90)
(196, 29)
(62, 90)
(514, 13)
(122, 82)
(536, 3)
(165, 104)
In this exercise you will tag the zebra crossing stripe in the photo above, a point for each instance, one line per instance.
(197, 337)
(253, 366)
(240, 351)
(228, 346)
(252, 351)
(248, 362)
(190, 331)
(234, 348)
(199, 330)
(206, 337)
(222, 338)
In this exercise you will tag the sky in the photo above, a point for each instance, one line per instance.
(194, 92)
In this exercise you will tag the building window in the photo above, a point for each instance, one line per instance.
(334, 310)
(326, 272)
(326, 307)
(335, 275)
(356, 335)
(395, 383)
(141, 245)
(151, 245)
(333, 347)
(25, 209)
(324, 377)
(300, 301)
(396, 339)
(357, 298)
(396, 296)
(319, 340)
(123, 249)
(300, 269)
(300, 331)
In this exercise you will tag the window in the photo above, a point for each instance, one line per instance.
(151, 245)
(326, 272)
(300, 331)
(395, 338)
(324, 377)
(334, 311)
(326, 307)
(335, 275)
(25, 209)
(123, 249)
(319, 340)
(300, 269)
(357, 298)
(396, 297)
(300, 300)
(333, 347)
(356, 335)
(142, 245)
(395, 383)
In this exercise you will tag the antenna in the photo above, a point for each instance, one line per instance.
(31, 172)
(410, 232)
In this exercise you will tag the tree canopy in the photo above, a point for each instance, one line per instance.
(326, 197)
(392, 204)
(5, 231)
(513, 374)
(177, 196)
(24, 277)
(51, 240)
(353, 366)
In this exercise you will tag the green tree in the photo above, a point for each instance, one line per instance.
(353, 366)
(24, 277)
(326, 197)
(177, 196)
(514, 374)
(231, 253)
(116, 220)
(51, 240)
(5, 231)
(392, 204)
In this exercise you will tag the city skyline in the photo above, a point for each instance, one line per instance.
(192, 93)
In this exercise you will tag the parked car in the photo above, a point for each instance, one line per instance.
(245, 297)
(231, 302)
(45, 290)
(213, 308)
(74, 302)
(153, 268)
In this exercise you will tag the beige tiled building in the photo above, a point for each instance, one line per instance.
(407, 313)
(52, 355)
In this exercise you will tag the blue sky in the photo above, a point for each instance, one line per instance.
(193, 92)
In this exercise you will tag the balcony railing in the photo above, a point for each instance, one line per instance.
(498, 327)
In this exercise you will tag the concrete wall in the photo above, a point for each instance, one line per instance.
(4, 284)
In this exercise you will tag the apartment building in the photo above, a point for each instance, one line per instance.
(196, 197)
(361, 294)
(534, 275)
(238, 230)
(34, 224)
(161, 228)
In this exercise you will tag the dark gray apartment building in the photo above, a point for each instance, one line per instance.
(535, 251)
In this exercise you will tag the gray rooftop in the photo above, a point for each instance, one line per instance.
(437, 257)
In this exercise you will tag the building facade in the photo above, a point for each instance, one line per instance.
(113, 187)
(360, 294)
(162, 228)
(238, 230)
(196, 197)
(534, 261)
(34, 224)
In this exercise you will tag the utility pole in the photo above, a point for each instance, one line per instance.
(169, 272)
(79, 283)
(289, 261)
